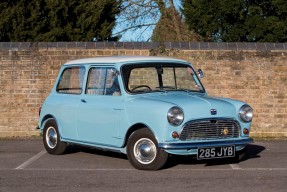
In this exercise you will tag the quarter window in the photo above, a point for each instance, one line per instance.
(71, 81)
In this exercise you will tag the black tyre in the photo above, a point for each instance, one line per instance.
(51, 138)
(142, 151)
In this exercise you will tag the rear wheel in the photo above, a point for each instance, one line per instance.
(142, 151)
(51, 138)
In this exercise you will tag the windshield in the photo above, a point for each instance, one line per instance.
(160, 77)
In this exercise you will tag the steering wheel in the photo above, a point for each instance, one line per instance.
(140, 86)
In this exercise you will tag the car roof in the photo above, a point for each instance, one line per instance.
(121, 59)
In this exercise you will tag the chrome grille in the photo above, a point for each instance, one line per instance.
(207, 129)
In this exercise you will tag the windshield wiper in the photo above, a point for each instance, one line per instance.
(160, 90)
(185, 90)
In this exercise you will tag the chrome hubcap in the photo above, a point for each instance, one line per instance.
(51, 137)
(145, 151)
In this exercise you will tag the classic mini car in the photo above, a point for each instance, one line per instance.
(145, 107)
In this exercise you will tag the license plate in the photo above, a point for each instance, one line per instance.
(215, 152)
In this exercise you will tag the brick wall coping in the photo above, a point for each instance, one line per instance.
(237, 46)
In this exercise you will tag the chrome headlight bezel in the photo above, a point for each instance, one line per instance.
(246, 113)
(175, 116)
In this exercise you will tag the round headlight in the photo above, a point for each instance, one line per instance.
(175, 116)
(246, 113)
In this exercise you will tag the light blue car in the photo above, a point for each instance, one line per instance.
(145, 107)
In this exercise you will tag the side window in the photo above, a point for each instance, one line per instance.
(71, 81)
(103, 81)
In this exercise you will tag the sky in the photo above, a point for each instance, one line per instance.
(139, 35)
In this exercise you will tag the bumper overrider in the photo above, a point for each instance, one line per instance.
(195, 145)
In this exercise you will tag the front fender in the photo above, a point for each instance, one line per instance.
(151, 113)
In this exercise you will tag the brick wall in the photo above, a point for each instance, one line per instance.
(252, 72)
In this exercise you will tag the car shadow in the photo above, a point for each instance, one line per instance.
(252, 151)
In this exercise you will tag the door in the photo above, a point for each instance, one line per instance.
(101, 108)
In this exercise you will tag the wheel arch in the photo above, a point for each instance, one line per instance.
(134, 128)
(45, 119)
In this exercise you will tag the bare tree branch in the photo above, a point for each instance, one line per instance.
(135, 27)
(137, 14)
(147, 14)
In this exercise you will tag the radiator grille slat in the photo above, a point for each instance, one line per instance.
(207, 129)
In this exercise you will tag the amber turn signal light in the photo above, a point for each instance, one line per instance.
(245, 131)
(175, 135)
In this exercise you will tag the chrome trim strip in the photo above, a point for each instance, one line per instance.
(195, 145)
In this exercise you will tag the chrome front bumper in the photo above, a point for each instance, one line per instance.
(195, 145)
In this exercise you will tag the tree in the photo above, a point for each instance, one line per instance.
(55, 20)
(160, 15)
(172, 27)
(238, 20)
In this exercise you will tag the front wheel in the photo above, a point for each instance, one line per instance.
(51, 138)
(143, 153)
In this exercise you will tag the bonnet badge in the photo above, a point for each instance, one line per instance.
(213, 111)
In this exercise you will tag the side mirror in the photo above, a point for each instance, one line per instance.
(200, 73)
(115, 72)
